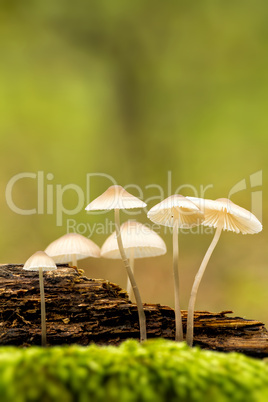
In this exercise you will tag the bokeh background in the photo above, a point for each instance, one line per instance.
(141, 91)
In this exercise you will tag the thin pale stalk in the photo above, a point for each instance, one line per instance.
(131, 263)
(74, 260)
(198, 278)
(43, 308)
(142, 319)
(178, 320)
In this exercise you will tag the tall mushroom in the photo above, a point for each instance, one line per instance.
(116, 198)
(177, 212)
(221, 214)
(138, 241)
(72, 247)
(40, 262)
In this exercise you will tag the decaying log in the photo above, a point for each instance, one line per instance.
(82, 310)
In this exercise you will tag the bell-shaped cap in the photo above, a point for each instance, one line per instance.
(39, 260)
(63, 249)
(176, 209)
(227, 214)
(136, 238)
(115, 197)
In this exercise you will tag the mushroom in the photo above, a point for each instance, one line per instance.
(177, 212)
(40, 262)
(72, 247)
(221, 214)
(139, 242)
(116, 198)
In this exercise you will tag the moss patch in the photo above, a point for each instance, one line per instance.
(158, 370)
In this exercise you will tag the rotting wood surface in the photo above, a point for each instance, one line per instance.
(82, 310)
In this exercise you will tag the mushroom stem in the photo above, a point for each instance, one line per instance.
(198, 278)
(142, 319)
(74, 260)
(43, 308)
(131, 263)
(178, 320)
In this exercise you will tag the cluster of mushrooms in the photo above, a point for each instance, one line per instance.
(133, 240)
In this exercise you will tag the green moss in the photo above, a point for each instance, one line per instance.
(155, 371)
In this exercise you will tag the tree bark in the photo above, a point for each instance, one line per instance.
(82, 310)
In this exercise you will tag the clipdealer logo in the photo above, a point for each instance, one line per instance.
(49, 196)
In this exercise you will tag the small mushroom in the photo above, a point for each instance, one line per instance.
(177, 212)
(221, 214)
(40, 262)
(116, 198)
(139, 242)
(72, 247)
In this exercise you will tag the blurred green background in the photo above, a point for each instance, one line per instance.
(140, 91)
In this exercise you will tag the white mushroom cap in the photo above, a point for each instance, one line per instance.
(39, 260)
(115, 197)
(224, 212)
(63, 249)
(136, 237)
(176, 208)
